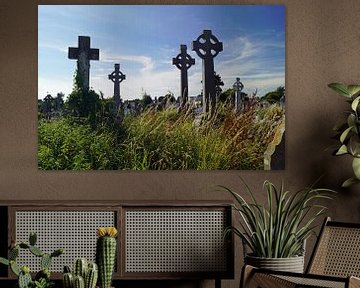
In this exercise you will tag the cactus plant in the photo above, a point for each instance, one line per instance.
(80, 267)
(42, 278)
(79, 282)
(84, 274)
(105, 254)
(91, 275)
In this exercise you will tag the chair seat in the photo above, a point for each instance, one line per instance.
(267, 279)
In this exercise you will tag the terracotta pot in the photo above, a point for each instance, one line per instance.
(291, 264)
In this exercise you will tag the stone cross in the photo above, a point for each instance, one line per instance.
(117, 77)
(183, 61)
(238, 87)
(83, 53)
(207, 47)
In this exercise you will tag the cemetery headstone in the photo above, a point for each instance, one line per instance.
(83, 53)
(207, 47)
(238, 87)
(117, 77)
(183, 61)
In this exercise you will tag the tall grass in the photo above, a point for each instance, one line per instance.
(68, 145)
(164, 140)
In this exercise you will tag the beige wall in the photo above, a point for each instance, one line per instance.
(322, 46)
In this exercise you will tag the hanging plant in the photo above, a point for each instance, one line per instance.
(348, 133)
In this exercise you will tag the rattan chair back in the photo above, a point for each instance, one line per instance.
(337, 252)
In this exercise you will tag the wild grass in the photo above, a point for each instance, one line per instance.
(165, 140)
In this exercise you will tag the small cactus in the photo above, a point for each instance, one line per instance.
(91, 276)
(68, 280)
(79, 282)
(45, 261)
(32, 238)
(106, 254)
(83, 274)
(23, 273)
(13, 253)
(80, 268)
(24, 280)
(36, 251)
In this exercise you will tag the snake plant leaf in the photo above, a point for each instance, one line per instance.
(355, 103)
(356, 167)
(349, 182)
(340, 88)
(342, 150)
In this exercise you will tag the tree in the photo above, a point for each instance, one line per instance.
(275, 96)
(146, 100)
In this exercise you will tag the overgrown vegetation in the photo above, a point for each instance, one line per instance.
(90, 134)
(161, 140)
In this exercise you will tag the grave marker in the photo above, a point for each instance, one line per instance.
(117, 77)
(207, 47)
(238, 87)
(183, 61)
(83, 53)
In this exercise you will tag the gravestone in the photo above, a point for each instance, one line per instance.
(183, 61)
(117, 77)
(207, 47)
(274, 156)
(48, 106)
(83, 53)
(238, 87)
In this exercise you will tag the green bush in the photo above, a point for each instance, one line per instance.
(67, 145)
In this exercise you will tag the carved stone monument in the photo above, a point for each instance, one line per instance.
(83, 53)
(117, 77)
(183, 61)
(238, 87)
(207, 47)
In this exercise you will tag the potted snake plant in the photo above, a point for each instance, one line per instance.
(348, 133)
(274, 234)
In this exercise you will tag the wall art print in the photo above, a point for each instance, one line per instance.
(161, 87)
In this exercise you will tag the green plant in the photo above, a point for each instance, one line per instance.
(349, 132)
(85, 275)
(105, 254)
(279, 229)
(42, 278)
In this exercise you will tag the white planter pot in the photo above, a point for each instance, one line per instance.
(291, 264)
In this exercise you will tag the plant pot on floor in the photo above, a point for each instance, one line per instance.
(290, 264)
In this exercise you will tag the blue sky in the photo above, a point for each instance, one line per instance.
(145, 38)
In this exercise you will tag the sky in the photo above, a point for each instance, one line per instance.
(143, 39)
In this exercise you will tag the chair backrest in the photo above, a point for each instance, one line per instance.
(337, 251)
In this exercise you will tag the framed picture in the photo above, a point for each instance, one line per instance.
(161, 87)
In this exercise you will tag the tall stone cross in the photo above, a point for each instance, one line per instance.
(207, 47)
(238, 87)
(117, 77)
(83, 53)
(183, 61)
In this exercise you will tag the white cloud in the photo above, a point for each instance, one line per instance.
(145, 61)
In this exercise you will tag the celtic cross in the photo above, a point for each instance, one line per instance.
(83, 53)
(207, 47)
(238, 87)
(117, 77)
(183, 61)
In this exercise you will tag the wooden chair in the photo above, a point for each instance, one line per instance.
(335, 262)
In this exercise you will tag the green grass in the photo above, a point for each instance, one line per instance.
(163, 140)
